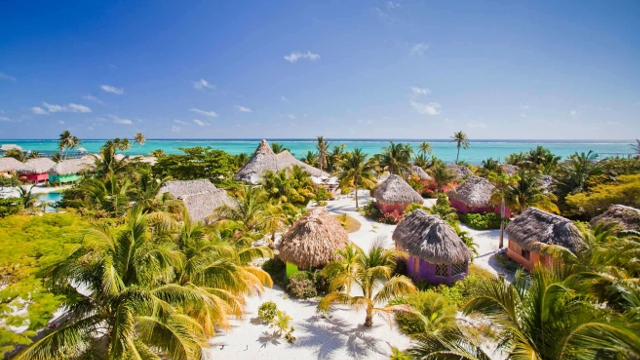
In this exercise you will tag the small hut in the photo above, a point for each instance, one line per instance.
(534, 228)
(474, 196)
(417, 170)
(6, 147)
(461, 172)
(67, 171)
(395, 194)
(9, 166)
(264, 159)
(626, 217)
(312, 241)
(436, 252)
(509, 169)
(36, 170)
(200, 197)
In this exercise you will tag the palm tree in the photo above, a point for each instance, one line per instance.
(65, 141)
(310, 158)
(140, 139)
(396, 158)
(337, 153)
(373, 274)
(110, 195)
(29, 201)
(425, 148)
(249, 213)
(15, 153)
(502, 183)
(528, 192)
(124, 145)
(636, 146)
(278, 148)
(442, 175)
(578, 170)
(461, 140)
(542, 318)
(157, 153)
(323, 152)
(357, 171)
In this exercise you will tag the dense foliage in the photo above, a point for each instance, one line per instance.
(484, 221)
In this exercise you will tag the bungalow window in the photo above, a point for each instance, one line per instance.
(525, 253)
(458, 268)
(442, 270)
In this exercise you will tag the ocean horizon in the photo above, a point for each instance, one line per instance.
(444, 149)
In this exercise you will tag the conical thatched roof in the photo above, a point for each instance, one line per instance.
(7, 147)
(200, 197)
(625, 216)
(8, 164)
(459, 170)
(394, 190)
(264, 159)
(417, 170)
(73, 166)
(37, 166)
(509, 169)
(313, 240)
(430, 238)
(534, 228)
(475, 191)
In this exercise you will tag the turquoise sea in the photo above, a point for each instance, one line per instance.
(443, 149)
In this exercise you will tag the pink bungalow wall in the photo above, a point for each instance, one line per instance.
(463, 208)
(387, 208)
(35, 178)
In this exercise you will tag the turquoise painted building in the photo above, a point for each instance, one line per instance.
(70, 171)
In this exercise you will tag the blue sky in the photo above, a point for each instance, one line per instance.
(343, 69)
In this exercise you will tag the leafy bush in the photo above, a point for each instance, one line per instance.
(391, 218)
(484, 221)
(440, 314)
(322, 194)
(301, 286)
(370, 210)
(267, 311)
(277, 269)
(414, 207)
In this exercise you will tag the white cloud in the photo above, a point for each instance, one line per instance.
(120, 121)
(93, 98)
(79, 108)
(61, 122)
(426, 109)
(573, 113)
(291, 116)
(419, 49)
(112, 89)
(200, 122)
(243, 109)
(53, 108)
(205, 113)
(475, 124)
(180, 122)
(203, 84)
(419, 91)
(4, 118)
(38, 110)
(7, 77)
(175, 128)
(393, 5)
(295, 55)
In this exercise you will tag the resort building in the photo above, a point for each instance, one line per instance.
(418, 171)
(474, 196)
(395, 194)
(312, 241)
(436, 252)
(36, 170)
(626, 217)
(264, 159)
(533, 229)
(460, 172)
(6, 147)
(200, 197)
(67, 171)
(9, 166)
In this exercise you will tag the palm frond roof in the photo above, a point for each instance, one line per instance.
(200, 197)
(535, 228)
(394, 190)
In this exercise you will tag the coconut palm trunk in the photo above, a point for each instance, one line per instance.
(368, 321)
(458, 154)
(502, 211)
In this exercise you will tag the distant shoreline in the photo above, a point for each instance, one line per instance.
(546, 141)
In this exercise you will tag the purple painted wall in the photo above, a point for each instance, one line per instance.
(427, 271)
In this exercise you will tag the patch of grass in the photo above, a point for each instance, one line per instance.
(350, 224)
(506, 263)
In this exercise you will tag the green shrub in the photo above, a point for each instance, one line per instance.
(436, 308)
(413, 207)
(267, 311)
(301, 286)
(484, 221)
(277, 269)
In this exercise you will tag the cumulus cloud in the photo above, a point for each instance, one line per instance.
(38, 110)
(93, 98)
(426, 109)
(4, 118)
(79, 108)
(393, 5)
(475, 124)
(419, 91)
(205, 113)
(120, 121)
(54, 108)
(243, 109)
(419, 49)
(180, 122)
(295, 55)
(200, 122)
(112, 89)
(7, 77)
(203, 84)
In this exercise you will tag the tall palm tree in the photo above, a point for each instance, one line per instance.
(528, 191)
(249, 213)
(442, 175)
(157, 153)
(111, 195)
(636, 146)
(65, 140)
(373, 274)
(357, 171)
(278, 148)
(578, 170)
(502, 183)
(396, 158)
(140, 139)
(323, 152)
(310, 158)
(337, 153)
(461, 140)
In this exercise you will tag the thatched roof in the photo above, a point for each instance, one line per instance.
(8, 164)
(200, 197)
(534, 228)
(475, 191)
(394, 190)
(510, 169)
(459, 170)
(73, 166)
(417, 170)
(7, 147)
(264, 159)
(545, 181)
(313, 240)
(430, 238)
(627, 217)
(37, 166)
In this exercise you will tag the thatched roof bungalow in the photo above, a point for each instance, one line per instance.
(67, 171)
(36, 170)
(9, 165)
(264, 159)
(436, 252)
(395, 194)
(7, 147)
(474, 195)
(200, 197)
(420, 173)
(626, 217)
(509, 169)
(533, 229)
(312, 241)
(461, 172)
